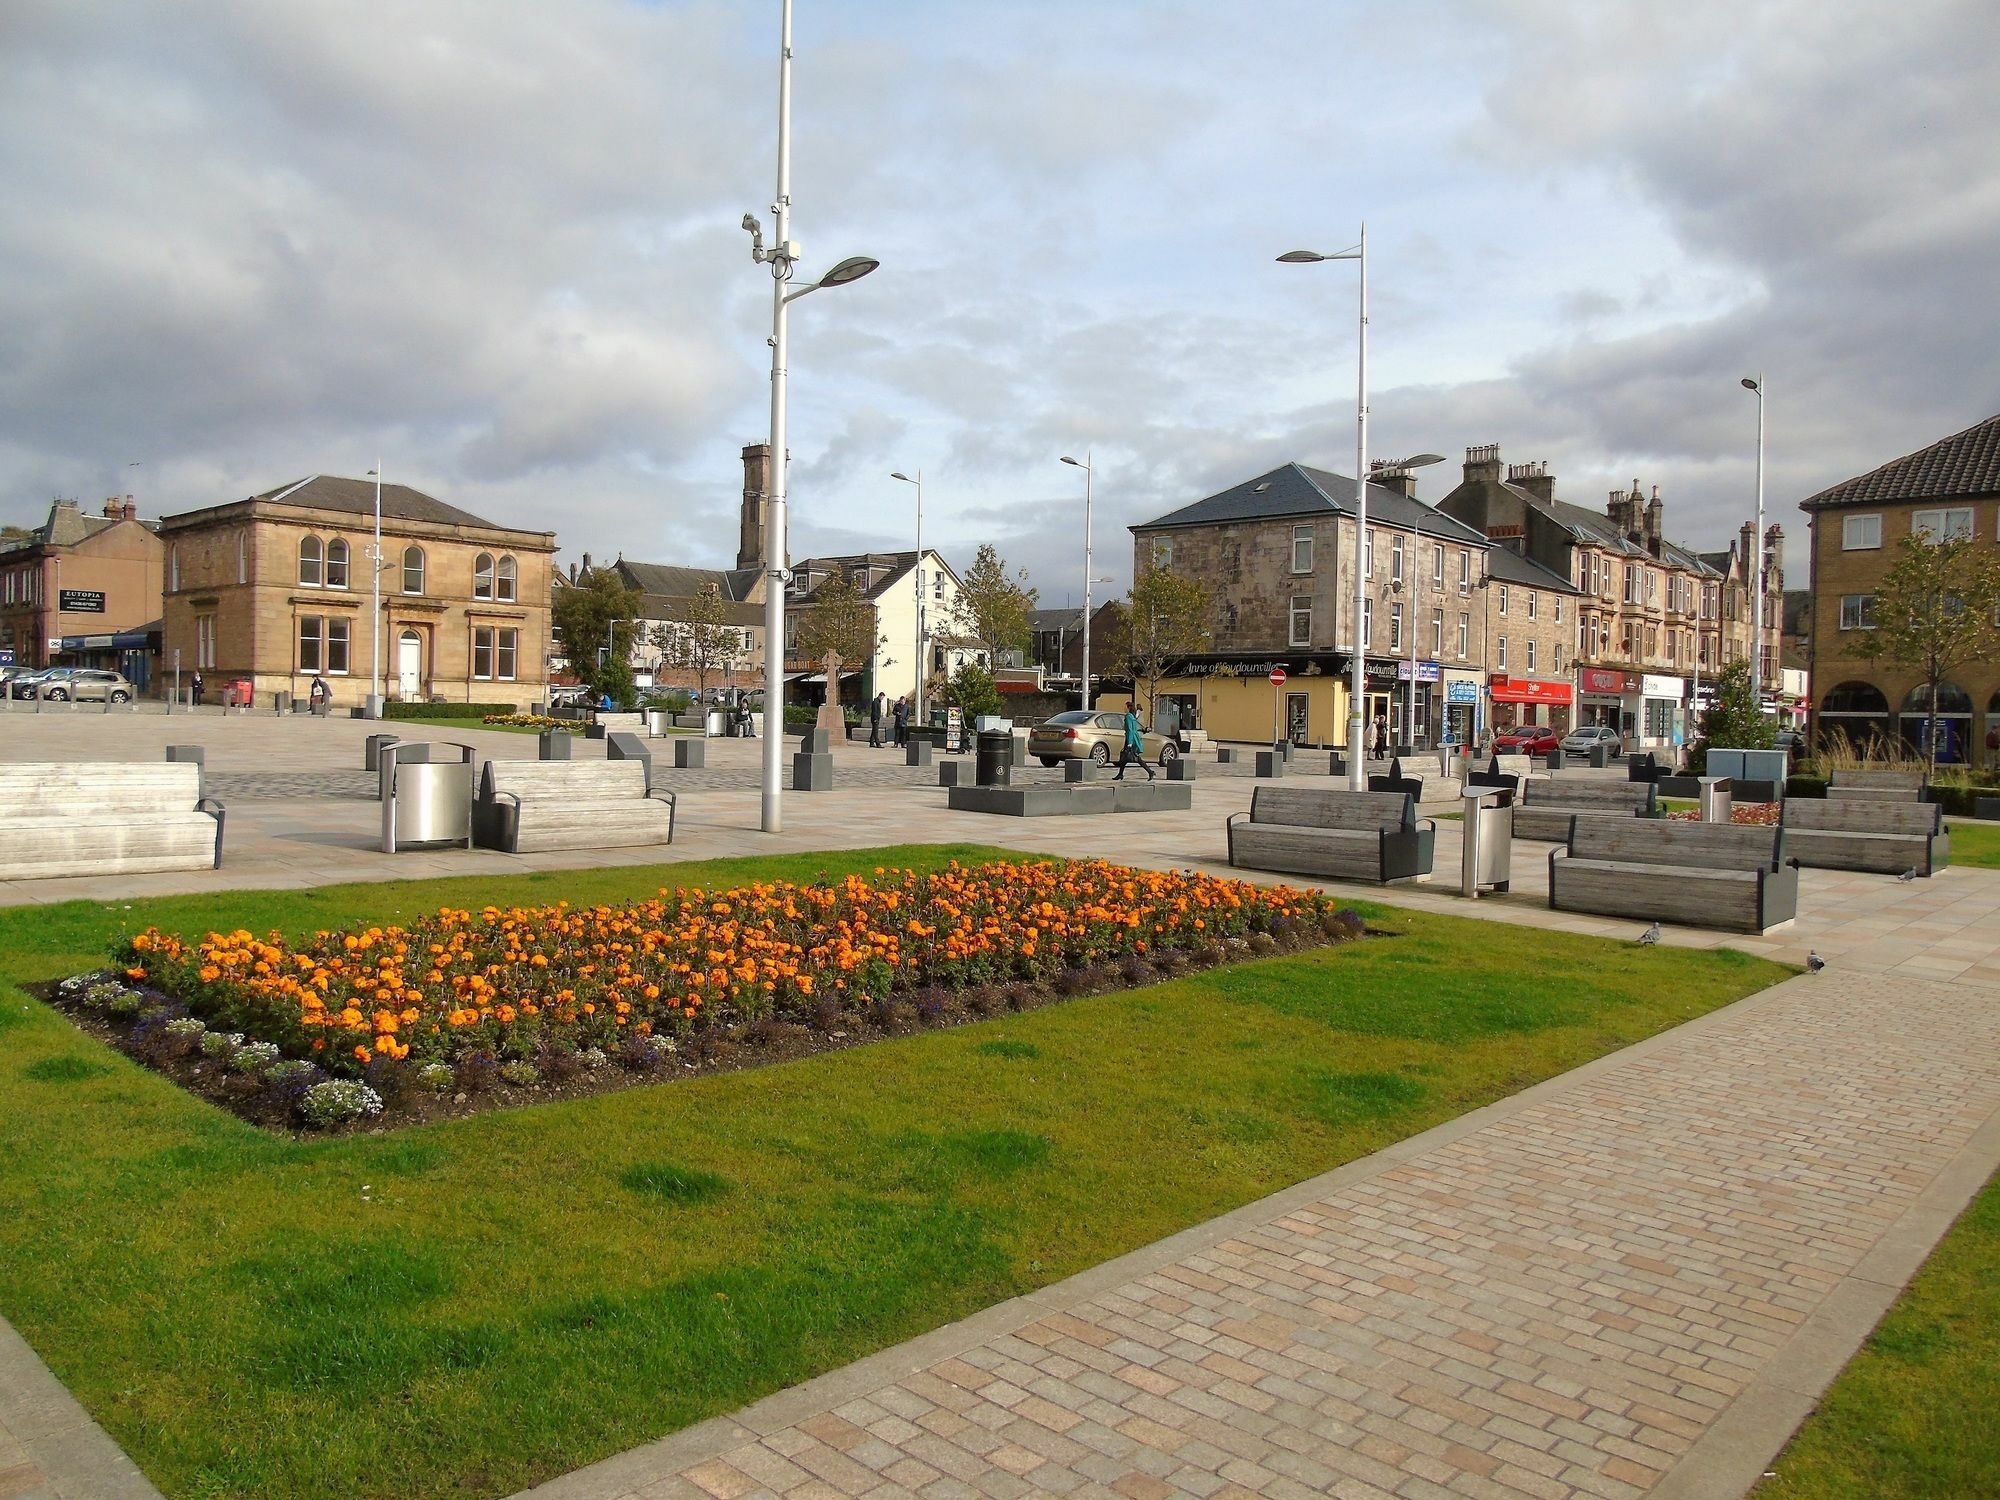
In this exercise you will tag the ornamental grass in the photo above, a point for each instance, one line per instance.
(519, 981)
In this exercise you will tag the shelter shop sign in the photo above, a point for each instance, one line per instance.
(1662, 687)
(80, 601)
(1604, 680)
(1427, 671)
(1530, 690)
(1460, 691)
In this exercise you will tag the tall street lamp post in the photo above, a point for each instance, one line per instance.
(782, 255)
(374, 708)
(1089, 569)
(1357, 684)
(917, 701)
(1755, 385)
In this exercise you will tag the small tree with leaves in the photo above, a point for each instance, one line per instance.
(838, 626)
(1734, 719)
(694, 639)
(973, 691)
(595, 612)
(1167, 620)
(1938, 609)
(992, 612)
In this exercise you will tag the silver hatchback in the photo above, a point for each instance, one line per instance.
(89, 685)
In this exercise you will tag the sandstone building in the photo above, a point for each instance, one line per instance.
(83, 590)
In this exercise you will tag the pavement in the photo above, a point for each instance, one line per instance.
(1633, 1279)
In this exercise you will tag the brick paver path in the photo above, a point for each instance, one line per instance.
(1560, 1299)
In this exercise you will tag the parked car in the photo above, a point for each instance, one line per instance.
(1583, 740)
(37, 683)
(1095, 735)
(89, 685)
(1525, 739)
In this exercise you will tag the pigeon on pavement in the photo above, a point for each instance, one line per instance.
(1814, 963)
(1650, 936)
(1907, 875)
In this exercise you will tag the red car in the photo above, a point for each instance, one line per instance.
(1527, 739)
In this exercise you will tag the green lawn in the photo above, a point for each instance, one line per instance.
(466, 1308)
(1976, 844)
(1913, 1415)
(410, 727)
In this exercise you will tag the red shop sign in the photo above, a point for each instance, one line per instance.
(1601, 680)
(1528, 690)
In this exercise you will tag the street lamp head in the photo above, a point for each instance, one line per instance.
(1754, 383)
(1421, 460)
(1300, 258)
(852, 269)
(1077, 461)
(899, 474)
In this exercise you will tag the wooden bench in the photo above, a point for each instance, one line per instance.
(1656, 870)
(1882, 837)
(106, 818)
(1544, 808)
(1875, 786)
(1338, 834)
(527, 806)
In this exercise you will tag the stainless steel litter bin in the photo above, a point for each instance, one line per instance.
(426, 802)
(658, 722)
(1487, 856)
(1715, 798)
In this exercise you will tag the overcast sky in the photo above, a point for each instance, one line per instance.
(496, 243)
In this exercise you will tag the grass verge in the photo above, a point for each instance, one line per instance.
(252, 1315)
(1912, 1416)
(1975, 844)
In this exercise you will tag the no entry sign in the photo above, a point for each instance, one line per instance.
(1277, 677)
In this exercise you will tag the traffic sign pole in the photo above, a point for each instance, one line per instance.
(1277, 706)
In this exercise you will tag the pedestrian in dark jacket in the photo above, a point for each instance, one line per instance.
(1134, 751)
(875, 707)
(196, 687)
(901, 714)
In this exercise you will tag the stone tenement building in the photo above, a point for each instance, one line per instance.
(1277, 553)
(91, 580)
(275, 590)
(1951, 488)
(1636, 648)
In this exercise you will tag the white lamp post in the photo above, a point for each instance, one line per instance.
(917, 700)
(782, 256)
(1089, 569)
(374, 708)
(1357, 684)
(1755, 385)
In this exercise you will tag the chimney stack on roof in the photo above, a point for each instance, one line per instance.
(1655, 522)
(1483, 463)
(1535, 478)
(1385, 476)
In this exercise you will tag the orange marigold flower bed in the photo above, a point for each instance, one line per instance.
(502, 980)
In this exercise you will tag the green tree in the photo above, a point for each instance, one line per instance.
(838, 626)
(973, 691)
(595, 612)
(992, 611)
(694, 638)
(1733, 719)
(1167, 620)
(1938, 608)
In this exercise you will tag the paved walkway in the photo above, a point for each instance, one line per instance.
(1632, 1279)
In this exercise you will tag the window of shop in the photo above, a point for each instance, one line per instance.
(1302, 620)
(1659, 718)
(1302, 549)
(1857, 611)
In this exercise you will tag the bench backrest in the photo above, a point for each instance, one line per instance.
(1916, 818)
(89, 789)
(1901, 780)
(1314, 807)
(1662, 841)
(535, 780)
(1512, 765)
(1566, 791)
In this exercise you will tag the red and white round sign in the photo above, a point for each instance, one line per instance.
(1277, 677)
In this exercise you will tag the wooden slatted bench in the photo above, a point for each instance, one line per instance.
(1335, 833)
(1544, 808)
(1875, 786)
(106, 818)
(1657, 870)
(1867, 834)
(527, 806)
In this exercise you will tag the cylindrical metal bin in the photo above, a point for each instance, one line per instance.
(995, 763)
(427, 802)
(1487, 856)
(1716, 797)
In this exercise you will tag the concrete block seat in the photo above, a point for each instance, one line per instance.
(528, 806)
(1873, 836)
(1656, 870)
(106, 818)
(1875, 786)
(1082, 799)
(1544, 808)
(1334, 833)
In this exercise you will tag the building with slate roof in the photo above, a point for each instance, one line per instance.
(275, 590)
(83, 590)
(1277, 554)
(1951, 488)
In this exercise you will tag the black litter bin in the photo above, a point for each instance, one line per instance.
(995, 763)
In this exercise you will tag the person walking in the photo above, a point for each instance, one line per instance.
(318, 694)
(1134, 752)
(875, 707)
(901, 720)
(195, 688)
(1381, 736)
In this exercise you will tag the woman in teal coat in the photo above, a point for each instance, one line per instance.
(1134, 753)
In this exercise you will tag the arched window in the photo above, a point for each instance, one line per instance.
(336, 563)
(1951, 699)
(1852, 698)
(413, 570)
(482, 576)
(509, 575)
(311, 563)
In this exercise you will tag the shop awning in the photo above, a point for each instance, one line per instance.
(1528, 690)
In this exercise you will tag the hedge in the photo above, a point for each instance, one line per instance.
(446, 710)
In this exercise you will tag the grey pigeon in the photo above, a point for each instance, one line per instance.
(1650, 936)
(1814, 963)
(1907, 875)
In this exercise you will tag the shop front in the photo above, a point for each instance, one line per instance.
(1463, 721)
(1416, 731)
(1233, 700)
(1530, 700)
(1659, 721)
(1608, 696)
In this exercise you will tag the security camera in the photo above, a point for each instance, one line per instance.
(750, 223)
(756, 237)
